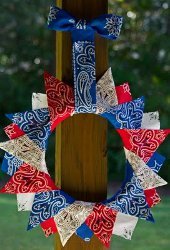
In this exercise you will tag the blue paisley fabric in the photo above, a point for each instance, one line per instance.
(130, 199)
(35, 123)
(156, 162)
(83, 33)
(10, 164)
(127, 115)
(47, 205)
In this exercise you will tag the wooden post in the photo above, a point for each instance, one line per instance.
(81, 161)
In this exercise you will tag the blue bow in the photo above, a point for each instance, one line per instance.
(83, 33)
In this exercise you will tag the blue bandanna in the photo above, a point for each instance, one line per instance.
(47, 205)
(83, 34)
(35, 124)
(127, 115)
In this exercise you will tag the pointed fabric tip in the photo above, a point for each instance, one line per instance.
(106, 97)
(152, 197)
(101, 221)
(60, 97)
(156, 162)
(39, 101)
(151, 120)
(25, 201)
(143, 142)
(125, 225)
(123, 93)
(29, 180)
(147, 177)
(127, 115)
(49, 227)
(13, 131)
(25, 150)
(47, 205)
(35, 124)
(71, 218)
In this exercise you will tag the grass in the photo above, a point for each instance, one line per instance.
(13, 234)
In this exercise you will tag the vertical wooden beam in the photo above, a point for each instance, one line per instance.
(81, 161)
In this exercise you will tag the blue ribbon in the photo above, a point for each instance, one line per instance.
(83, 35)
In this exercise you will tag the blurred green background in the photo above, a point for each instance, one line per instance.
(140, 56)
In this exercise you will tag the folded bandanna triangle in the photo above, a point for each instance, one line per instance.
(60, 97)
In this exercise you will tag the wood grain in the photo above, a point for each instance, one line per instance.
(81, 159)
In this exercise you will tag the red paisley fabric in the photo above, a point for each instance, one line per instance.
(143, 142)
(49, 227)
(28, 180)
(60, 97)
(13, 131)
(152, 197)
(123, 93)
(101, 222)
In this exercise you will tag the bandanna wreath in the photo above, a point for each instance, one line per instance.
(24, 160)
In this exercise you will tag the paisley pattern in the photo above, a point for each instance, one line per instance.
(113, 25)
(152, 197)
(13, 131)
(131, 198)
(26, 150)
(106, 96)
(125, 225)
(49, 227)
(127, 115)
(147, 177)
(35, 124)
(28, 180)
(151, 120)
(109, 27)
(156, 162)
(71, 218)
(101, 222)
(84, 77)
(52, 14)
(39, 101)
(25, 201)
(47, 205)
(10, 164)
(143, 142)
(123, 93)
(60, 99)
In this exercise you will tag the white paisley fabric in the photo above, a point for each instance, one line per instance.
(125, 225)
(71, 218)
(106, 96)
(39, 101)
(27, 151)
(25, 201)
(147, 177)
(151, 120)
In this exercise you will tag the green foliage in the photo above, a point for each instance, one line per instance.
(140, 56)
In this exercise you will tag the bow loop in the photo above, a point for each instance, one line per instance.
(108, 26)
(59, 19)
